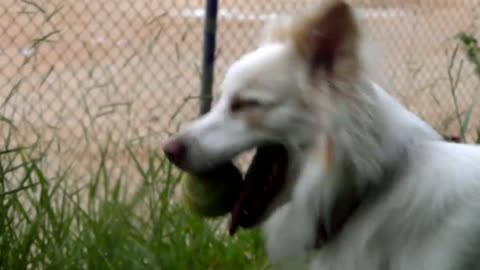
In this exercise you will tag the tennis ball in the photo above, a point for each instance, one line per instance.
(214, 193)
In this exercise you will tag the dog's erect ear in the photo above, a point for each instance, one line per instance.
(326, 35)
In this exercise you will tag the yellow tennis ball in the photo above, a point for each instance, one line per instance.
(214, 193)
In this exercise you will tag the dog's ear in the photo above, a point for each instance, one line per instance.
(326, 35)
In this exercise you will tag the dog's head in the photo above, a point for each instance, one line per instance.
(267, 94)
(282, 93)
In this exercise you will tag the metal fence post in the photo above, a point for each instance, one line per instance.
(209, 41)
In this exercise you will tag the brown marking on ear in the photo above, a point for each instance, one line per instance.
(325, 34)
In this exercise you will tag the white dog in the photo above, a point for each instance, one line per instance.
(350, 177)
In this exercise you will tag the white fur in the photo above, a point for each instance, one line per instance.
(429, 218)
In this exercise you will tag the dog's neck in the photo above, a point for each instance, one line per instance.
(370, 140)
(370, 156)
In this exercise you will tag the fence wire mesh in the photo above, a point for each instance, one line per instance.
(83, 73)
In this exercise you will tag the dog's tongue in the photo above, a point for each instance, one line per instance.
(263, 181)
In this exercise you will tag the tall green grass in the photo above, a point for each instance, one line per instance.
(470, 47)
(466, 47)
(47, 224)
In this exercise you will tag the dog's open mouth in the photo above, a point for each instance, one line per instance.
(264, 180)
(253, 197)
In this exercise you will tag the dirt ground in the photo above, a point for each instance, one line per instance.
(84, 72)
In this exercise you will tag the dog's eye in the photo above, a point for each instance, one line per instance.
(243, 104)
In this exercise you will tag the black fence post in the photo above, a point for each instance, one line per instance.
(210, 28)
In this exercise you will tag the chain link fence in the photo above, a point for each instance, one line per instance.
(83, 73)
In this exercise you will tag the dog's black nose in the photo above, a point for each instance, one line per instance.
(174, 150)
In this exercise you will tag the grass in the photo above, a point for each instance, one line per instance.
(471, 49)
(47, 224)
(462, 117)
(51, 220)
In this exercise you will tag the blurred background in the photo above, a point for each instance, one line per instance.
(79, 73)
(90, 89)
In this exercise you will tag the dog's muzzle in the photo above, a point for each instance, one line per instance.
(263, 181)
